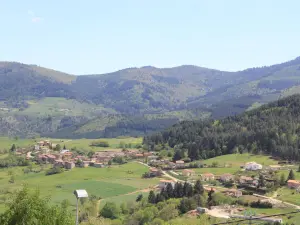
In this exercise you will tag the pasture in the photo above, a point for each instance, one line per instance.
(102, 182)
(82, 144)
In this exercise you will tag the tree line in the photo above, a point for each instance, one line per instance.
(272, 129)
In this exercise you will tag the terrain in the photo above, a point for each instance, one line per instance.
(271, 129)
(134, 101)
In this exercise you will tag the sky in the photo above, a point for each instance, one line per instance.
(100, 36)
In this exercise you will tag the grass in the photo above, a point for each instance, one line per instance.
(6, 143)
(288, 195)
(102, 182)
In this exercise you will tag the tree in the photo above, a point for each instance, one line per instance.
(57, 147)
(298, 168)
(168, 212)
(151, 197)
(110, 210)
(28, 207)
(282, 179)
(13, 148)
(187, 204)
(139, 198)
(210, 200)
(177, 155)
(261, 181)
(64, 147)
(90, 154)
(199, 200)
(187, 190)
(169, 191)
(178, 190)
(198, 188)
(291, 175)
(109, 163)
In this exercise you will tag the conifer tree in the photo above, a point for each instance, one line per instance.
(151, 197)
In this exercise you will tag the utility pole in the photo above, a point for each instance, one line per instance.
(77, 212)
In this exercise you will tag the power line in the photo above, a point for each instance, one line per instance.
(257, 218)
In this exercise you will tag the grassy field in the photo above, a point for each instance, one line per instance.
(6, 143)
(102, 182)
(231, 163)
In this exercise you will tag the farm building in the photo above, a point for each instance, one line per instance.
(233, 192)
(207, 177)
(253, 166)
(295, 184)
(154, 172)
(246, 180)
(188, 172)
(226, 177)
(179, 164)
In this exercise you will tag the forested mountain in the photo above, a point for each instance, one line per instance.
(148, 93)
(271, 129)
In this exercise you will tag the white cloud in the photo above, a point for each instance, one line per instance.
(34, 18)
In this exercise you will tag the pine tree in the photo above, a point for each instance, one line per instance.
(187, 190)
(139, 198)
(282, 180)
(169, 191)
(261, 181)
(291, 175)
(177, 156)
(199, 200)
(13, 148)
(198, 188)
(210, 201)
(64, 147)
(151, 197)
(159, 198)
(178, 190)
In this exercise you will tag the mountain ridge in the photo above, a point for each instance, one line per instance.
(145, 92)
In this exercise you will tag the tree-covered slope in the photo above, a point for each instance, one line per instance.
(145, 92)
(271, 129)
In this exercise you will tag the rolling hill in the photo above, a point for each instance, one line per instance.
(271, 129)
(158, 96)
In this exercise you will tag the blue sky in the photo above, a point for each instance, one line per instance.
(99, 36)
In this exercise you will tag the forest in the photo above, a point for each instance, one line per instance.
(271, 129)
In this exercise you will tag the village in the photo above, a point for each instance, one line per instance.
(249, 180)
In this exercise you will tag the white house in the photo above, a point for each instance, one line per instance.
(64, 151)
(253, 166)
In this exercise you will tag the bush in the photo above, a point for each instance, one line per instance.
(110, 210)
(259, 204)
(12, 161)
(100, 144)
(54, 170)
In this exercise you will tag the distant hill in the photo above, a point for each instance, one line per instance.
(180, 93)
(272, 129)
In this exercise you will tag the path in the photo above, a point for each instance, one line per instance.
(276, 200)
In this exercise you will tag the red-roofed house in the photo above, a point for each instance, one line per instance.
(207, 177)
(293, 184)
(226, 177)
(188, 172)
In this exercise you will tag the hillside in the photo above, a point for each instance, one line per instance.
(272, 129)
(148, 93)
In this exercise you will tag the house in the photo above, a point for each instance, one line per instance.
(163, 183)
(246, 180)
(59, 163)
(98, 165)
(188, 172)
(64, 151)
(207, 177)
(253, 166)
(233, 192)
(139, 155)
(179, 164)
(69, 165)
(85, 164)
(226, 177)
(154, 172)
(295, 184)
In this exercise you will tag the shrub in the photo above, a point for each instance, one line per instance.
(100, 144)
(110, 210)
(54, 170)
(259, 204)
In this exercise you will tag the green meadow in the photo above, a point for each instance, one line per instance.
(119, 180)
(114, 143)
